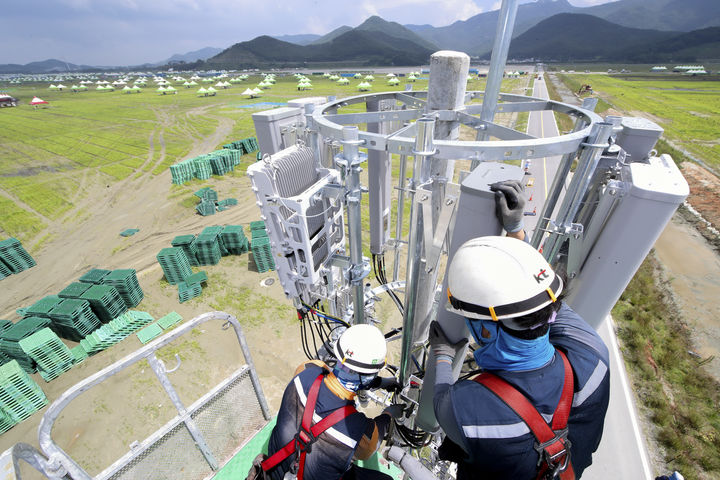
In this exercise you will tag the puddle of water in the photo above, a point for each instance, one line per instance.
(694, 271)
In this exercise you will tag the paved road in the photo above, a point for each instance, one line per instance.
(622, 452)
(542, 170)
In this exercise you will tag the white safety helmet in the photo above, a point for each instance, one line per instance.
(361, 348)
(500, 278)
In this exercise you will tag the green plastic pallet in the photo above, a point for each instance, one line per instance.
(148, 333)
(169, 320)
(94, 276)
(20, 396)
(74, 290)
(186, 292)
(175, 264)
(52, 356)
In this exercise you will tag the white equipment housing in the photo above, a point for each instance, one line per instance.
(276, 129)
(303, 213)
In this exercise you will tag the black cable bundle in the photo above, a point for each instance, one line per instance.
(379, 270)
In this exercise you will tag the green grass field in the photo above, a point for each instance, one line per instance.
(688, 110)
(95, 136)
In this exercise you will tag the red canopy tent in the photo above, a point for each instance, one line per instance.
(38, 101)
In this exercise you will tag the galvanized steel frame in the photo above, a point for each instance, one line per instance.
(59, 461)
(512, 144)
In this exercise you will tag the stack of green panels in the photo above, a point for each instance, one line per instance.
(43, 307)
(258, 234)
(186, 292)
(4, 272)
(257, 225)
(169, 320)
(74, 319)
(126, 283)
(208, 246)
(115, 331)
(262, 254)
(223, 205)
(52, 356)
(234, 154)
(20, 396)
(236, 145)
(4, 325)
(6, 423)
(206, 208)
(221, 162)
(14, 257)
(187, 243)
(203, 169)
(249, 144)
(199, 277)
(105, 302)
(175, 264)
(234, 239)
(75, 290)
(206, 193)
(94, 276)
(10, 338)
(182, 172)
(79, 354)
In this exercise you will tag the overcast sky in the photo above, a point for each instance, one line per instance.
(132, 32)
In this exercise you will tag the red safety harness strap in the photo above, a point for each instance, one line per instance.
(552, 443)
(307, 435)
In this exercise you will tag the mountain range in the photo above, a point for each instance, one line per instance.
(625, 30)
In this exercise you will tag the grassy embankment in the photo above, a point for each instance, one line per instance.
(678, 396)
(686, 109)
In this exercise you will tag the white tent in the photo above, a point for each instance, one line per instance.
(343, 81)
(257, 91)
(249, 92)
(393, 81)
(202, 92)
(369, 78)
(364, 86)
(389, 75)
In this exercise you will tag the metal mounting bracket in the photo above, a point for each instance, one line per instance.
(434, 240)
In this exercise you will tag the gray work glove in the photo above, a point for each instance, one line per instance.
(439, 343)
(395, 410)
(509, 204)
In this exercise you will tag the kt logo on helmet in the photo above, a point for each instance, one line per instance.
(541, 276)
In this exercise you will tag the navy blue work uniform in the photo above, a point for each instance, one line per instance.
(493, 440)
(331, 456)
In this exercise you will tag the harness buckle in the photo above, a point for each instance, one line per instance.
(556, 462)
(304, 440)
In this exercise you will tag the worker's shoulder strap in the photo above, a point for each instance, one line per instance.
(308, 433)
(552, 444)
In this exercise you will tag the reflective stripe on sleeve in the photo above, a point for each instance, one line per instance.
(591, 385)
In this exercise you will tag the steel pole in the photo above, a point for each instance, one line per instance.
(423, 148)
(501, 46)
(589, 158)
(353, 198)
(159, 370)
(446, 91)
(399, 218)
(555, 190)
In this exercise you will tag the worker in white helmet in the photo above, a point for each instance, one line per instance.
(538, 408)
(318, 432)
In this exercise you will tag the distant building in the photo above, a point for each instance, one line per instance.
(8, 101)
(686, 68)
(658, 69)
(695, 72)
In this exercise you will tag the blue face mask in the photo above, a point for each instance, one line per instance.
(352, 380)
(502, 351)
(476, 328)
